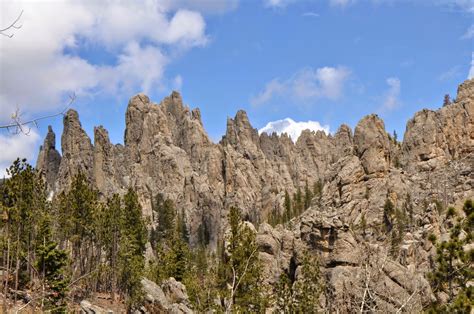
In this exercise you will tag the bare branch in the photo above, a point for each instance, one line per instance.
(18, 126)
(12, 26)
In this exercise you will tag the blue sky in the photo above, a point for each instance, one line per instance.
(328, 61)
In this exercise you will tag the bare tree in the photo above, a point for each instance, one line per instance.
(17, 125)
(14, 25)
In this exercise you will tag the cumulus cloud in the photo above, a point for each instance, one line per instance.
(469, 33)
(306, 85)
(47, 59)
(16, 145)
(391, 98)
(42, 63)
(292, 128)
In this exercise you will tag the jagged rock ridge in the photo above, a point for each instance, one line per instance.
(166, 150)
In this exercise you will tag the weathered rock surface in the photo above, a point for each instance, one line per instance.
(170, 297)
(49, 159)
(166, 150)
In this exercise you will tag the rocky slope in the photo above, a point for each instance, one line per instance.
(166, 150)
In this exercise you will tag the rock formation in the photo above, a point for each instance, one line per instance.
(166, 150)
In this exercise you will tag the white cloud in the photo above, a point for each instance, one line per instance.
(391, 98)
(204, 6)
(274, 87)
(41, 64)
(306, 85)
(450, 74)
(292, 128)
(277, 3)
(17, 145)
(464, 5)
(471, 70)
(341, 3)
(177, 82)
(44, 61)
(469, 33)
(311, 14)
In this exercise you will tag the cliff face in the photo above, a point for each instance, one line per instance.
(166, 150)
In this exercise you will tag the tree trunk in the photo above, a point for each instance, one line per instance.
(17, 257)
(5, 293)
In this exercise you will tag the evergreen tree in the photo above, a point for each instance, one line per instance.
(446, 100)
(201, 281)
(51, 263)
(109, 233)
(165, 215)
(240, 269)
(302, 296)
(24, 204)
(78, 216)
(388, 211)
(297, 203)
(181, 227)
(288, 212)
(308, 196)
(308, 286)
(453, 266)
(284, 294)
(133, 239)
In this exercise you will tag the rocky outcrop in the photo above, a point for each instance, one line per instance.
(170, 297)
(167, 151)
(49, 159)
(77, 151)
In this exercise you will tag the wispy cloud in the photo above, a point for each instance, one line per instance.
(469, 33)
(292, 128)
(275, 4)
(341, 3)
(311, 14)
(450, 74)
(391, 98)
(306, 85)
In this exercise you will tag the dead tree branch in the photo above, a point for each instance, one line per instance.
(12, 26)
(17, 126)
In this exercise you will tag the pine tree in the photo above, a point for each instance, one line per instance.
(308, 286)
(453, 265)
(388, 211)
(109, 233)
(23, 203)
(78, 217)
(317, 188)
(181, 227)
(297, 202)
(240, 270)
(446, 100)
(308, 196)
(288, 212)
(284, 294)
(51, 263)
(165, 215)
(131, 261)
